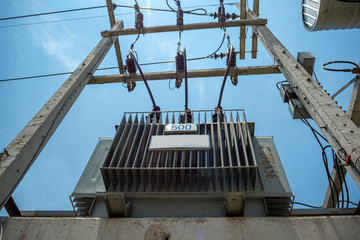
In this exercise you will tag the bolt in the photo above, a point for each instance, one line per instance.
(6, 152)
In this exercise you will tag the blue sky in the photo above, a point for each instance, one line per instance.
(60, 47)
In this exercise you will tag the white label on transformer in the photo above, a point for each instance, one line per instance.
(181, 128)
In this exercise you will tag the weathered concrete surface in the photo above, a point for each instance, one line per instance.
(335, 227)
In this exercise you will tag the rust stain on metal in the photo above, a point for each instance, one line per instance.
(157, 232)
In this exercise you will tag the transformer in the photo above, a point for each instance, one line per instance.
(166, 168)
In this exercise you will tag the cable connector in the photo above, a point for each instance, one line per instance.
(218, 115)
(186, 117)
(156, 112)
(131, 86)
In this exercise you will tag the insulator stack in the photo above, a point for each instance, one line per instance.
(221, 14)
(130, 65)
(180, 18)
(180, 63)
(233, 58)
(139, 21)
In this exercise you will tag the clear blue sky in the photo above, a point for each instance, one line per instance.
(60, 47)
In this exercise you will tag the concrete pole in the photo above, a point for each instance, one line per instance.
(340, 131)
(21, 153)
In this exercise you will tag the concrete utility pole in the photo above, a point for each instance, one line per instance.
(340, 131)
(27, 145)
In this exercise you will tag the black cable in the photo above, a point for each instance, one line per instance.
(143, 77)
(170, 86)
(339, 70)
(225, 77)
(337, 167)
(352, 203)
(48, 13)
(306, 122)
(210, 55)
(306, 205)
(346, 188)
(330, 180)
(167, 3)
(316, 78)
(132, 45)
(186, 79)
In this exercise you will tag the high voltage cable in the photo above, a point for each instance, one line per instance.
(90, 8)
(49, 13)
(63, 20)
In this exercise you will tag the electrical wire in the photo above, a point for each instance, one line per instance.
(49, 13)
(186, 80)
(167, 3)
(330, 180)
(324, 156)
(102, 16)
(352, 203)
(48, 75)
(316, 78)
(163, 10)
(306, 205)
(143, 77)
(170, 88)
(225, 77)
(337, 167)
(339, 70)
(108, 68)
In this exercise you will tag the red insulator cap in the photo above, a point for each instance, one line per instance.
(348, 159)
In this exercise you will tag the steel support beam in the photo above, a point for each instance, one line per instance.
(217, 72)
(27, 145)
(110, 9)
(192, 26)
(342, 134)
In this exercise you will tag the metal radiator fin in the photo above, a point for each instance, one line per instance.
(229, 165)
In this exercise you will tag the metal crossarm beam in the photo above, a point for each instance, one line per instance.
(27, 145)
(192, 26)
(109, 5)
(340, 131)
(217, 72)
